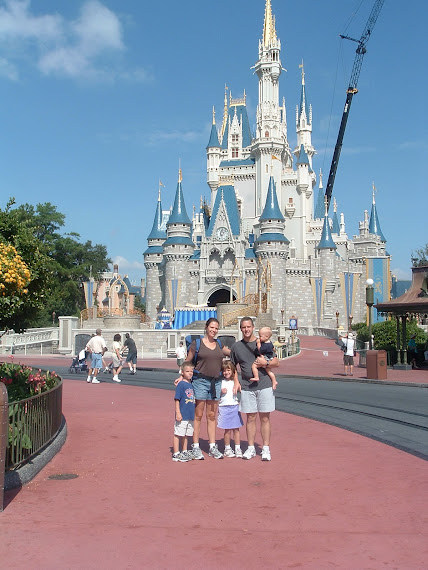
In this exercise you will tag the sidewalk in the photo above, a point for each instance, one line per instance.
(329, 497)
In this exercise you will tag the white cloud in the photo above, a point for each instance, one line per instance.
(402, 274)
(125, 265)
(83, 48)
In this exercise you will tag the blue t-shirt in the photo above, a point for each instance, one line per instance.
(185, 395)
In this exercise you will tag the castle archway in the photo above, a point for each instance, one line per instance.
(221, 295)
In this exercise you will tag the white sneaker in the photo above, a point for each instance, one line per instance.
(238, 452)
(88, 379)
(250, 453)
(229, 452)
(116, 379)
(95, 381)
(266, 455)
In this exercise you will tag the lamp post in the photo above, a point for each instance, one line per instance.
(282, 316)
(350, 322)
(370, 303)
(337, 319)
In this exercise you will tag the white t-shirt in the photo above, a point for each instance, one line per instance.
(96, 344)
(228, 399)
(350, 343)
(180, 352)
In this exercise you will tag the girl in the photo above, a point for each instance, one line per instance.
(229, 417)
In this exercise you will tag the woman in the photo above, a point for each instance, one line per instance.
(117, 361)
(207, 385)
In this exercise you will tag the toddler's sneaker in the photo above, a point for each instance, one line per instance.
(116, 379)
(238, 452)
(197, 453)
(89, 379)
(250, 453)
(95, 381)
(229, 452)
(180, 457)
(266, 455)
(214, 452)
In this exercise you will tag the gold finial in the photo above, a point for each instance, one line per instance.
(320, 179)
(213, 115)
(180, 174)
(374, 190)
(326, 205)
(225, 108)
(302, 67)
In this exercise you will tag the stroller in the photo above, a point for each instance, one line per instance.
(78, 363)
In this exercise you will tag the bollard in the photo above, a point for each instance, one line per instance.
(4, 427)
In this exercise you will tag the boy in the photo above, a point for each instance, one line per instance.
(264, 348)
(184, 414)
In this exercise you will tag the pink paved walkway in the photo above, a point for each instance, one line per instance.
(329, 498)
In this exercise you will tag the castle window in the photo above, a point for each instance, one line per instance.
(235, 139)
(235, 153)
(266, 134)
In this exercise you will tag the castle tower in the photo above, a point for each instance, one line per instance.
(271, 127)
(335, 228)
(304, 123)
(271, 249)
(153, 258)
(213, 158)
(374, 225)
(319, 206)
(177, 250)
(327, 270)
(304, 202)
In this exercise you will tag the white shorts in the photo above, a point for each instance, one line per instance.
(185, 427)
(253, 401)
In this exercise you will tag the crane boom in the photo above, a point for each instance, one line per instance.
(350, 92)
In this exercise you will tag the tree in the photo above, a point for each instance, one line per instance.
(420, 256)
(58, 263)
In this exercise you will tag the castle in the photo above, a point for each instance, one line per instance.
(266, 226)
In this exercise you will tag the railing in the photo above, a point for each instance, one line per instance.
(43, 337)
(100, 312)
(33, 424)
(251, 310)
(285, 350)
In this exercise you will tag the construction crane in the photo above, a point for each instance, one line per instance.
(350, 92)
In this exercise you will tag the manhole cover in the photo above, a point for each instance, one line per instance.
(62, 476)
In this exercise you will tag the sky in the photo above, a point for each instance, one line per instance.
(101, 99)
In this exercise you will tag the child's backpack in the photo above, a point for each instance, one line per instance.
(189, 341)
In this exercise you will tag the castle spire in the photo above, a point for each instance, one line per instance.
(326, 241)
(158, 232)
(179, 213)
(269, 31)
(336, 226)
(319, 206)
(225, 111)
(271, 210)
(213, 142)
(374, 225)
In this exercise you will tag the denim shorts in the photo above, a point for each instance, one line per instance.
(207, 388)
(96, 360)
(253, 401)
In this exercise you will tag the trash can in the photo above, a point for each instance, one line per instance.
(376, 364)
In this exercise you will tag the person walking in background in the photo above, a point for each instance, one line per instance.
(116, 357)
(412, 351)
(96, 346)
(348, 344)
(131, 357)
(181, 354)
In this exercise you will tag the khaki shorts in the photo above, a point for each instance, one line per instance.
(253, 401)
(185, 427)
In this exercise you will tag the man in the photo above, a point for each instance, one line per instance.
(96, 346)
(256, 397)
(131, 358)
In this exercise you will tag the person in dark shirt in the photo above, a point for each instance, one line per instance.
(131, 358)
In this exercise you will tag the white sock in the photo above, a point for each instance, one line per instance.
(251, 447)
(237, 447)
(212, 445)
(195, 444)
(94, 378)
(227, 447)
(89, 378)
(266, 447)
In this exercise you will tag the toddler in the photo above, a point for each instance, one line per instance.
(229, 417)
(184, 414)
(264, 348)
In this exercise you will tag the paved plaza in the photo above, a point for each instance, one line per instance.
(328, 499)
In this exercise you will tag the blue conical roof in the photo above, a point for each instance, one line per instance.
(303, 157)
(303, 103)
(336, 227)
(213, 142)
(319, 207)
(241, 112)
(374, 225)
(271, 210)
(326, 241)
(157, 231)
(179, 213)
